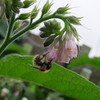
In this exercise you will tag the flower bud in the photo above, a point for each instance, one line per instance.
(8, 9)
(34, 12)
(23, 16)
(16, 25)
(28, 3)
(63, 10)
(74, 20)
(46, 7)
(2, 9)
(49, 40)
(15, 9)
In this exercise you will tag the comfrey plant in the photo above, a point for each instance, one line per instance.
(61, 47)
(61, 40)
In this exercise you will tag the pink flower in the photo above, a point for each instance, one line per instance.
(62, 56)
(51, 54)
(68, 50)
(65, 52)
(71, 47)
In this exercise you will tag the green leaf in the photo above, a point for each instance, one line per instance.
(30, 95)
(58, 78)
(1, 41)
(40, 94)
(25, 49)
(54, 96)
(3, 28)
(83, 59)
(16, 25)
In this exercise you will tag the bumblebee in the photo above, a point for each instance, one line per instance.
(40, 64)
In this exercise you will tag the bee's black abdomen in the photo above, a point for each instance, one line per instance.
(41, 64)
(48, 65)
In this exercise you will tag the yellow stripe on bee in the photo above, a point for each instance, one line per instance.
(34, 63)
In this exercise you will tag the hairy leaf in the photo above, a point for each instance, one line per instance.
(25, 49)
(3, 28)
(58, 78)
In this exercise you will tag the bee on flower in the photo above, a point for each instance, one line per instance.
(62, 41)
(63, 47)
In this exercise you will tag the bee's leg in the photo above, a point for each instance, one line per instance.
(44, 54)
(37, 67)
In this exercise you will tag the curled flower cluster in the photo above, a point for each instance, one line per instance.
(65, 52)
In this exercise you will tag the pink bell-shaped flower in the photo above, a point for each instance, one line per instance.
(62, 56)
(64, 53)
(68, 50)
(51, 54)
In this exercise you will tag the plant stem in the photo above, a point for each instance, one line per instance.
(7, 37)
(36, 23)
(10, 26)
(17, 35)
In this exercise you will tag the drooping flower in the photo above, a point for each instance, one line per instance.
(64, 52)
(71, 47)
(68, 50)
(61, 56)
(51, 54)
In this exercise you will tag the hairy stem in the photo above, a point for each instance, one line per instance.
(10, 26)
(7, 37)
(17, 35)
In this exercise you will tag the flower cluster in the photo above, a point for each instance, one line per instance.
(64, 52)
